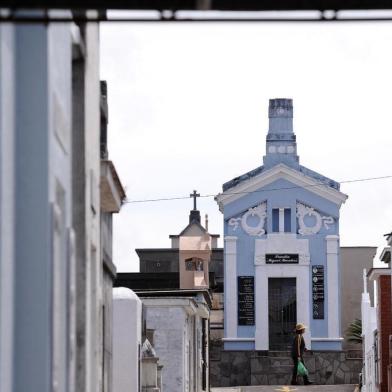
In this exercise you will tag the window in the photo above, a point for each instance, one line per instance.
(281, 220)
(194, 264)
(275, 220)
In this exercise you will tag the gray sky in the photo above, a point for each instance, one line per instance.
(188, 109)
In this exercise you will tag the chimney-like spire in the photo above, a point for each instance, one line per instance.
(280, 113)
(281, 141)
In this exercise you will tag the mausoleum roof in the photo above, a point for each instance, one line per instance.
(302, 169)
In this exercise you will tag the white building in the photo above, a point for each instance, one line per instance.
(180, 323)
(51, 283)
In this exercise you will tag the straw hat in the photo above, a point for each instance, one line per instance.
(300, 327)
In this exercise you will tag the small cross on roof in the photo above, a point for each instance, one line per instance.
(194, 195)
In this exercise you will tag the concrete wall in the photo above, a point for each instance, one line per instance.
(384, 326)
(369, 327)
(352, 261)
(170, 338)
(92, 175)
(86, 211)
(107, 331)
(177, 324)
(233, 368)
(158, 260)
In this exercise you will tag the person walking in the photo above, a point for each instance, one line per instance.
(297, 351)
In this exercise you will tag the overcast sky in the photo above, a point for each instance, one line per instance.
(188, 109)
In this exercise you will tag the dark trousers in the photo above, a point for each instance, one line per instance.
(295, 375)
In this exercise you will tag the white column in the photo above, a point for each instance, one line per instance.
(261, 302)
(304, 300)
(281, 220)
(230, 287)
(333, 301)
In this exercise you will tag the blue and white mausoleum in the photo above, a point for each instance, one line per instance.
(281, 251)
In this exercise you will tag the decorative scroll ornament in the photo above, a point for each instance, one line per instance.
(260, 211)
(302, 211)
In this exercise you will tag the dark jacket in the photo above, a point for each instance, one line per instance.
(298, 347)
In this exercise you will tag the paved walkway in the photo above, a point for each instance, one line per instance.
(296, 388)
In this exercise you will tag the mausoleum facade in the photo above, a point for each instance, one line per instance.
(281, 250)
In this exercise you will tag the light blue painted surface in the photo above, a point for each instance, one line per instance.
(281, 194)
(326, 346)
(42, 176)
(32, 258)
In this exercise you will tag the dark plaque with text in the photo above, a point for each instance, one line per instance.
(284, 258)
(318, 291)
(246, 300)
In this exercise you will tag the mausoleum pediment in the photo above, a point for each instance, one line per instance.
(280, 171)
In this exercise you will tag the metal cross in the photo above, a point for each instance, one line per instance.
(194, 195)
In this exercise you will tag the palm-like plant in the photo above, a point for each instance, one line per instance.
(354, 331)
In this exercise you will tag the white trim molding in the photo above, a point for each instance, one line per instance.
(230, 282)
(320, 221)
(260, 211)
(333, 299)
(238, 339)
(280, 171)
(281, 243)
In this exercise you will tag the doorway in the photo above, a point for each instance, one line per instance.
(282, 312)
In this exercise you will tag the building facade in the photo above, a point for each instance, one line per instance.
(377, 329)
(181, 337)
(51, 272)
(281, 251)
(36, 240)
(112, 195)
(369, 374)
(192, 261)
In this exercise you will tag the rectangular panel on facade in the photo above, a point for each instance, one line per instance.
(318, 291)
(246, 300)
(284, 258)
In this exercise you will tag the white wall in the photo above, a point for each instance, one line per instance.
(92, 174)
(127, 323)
